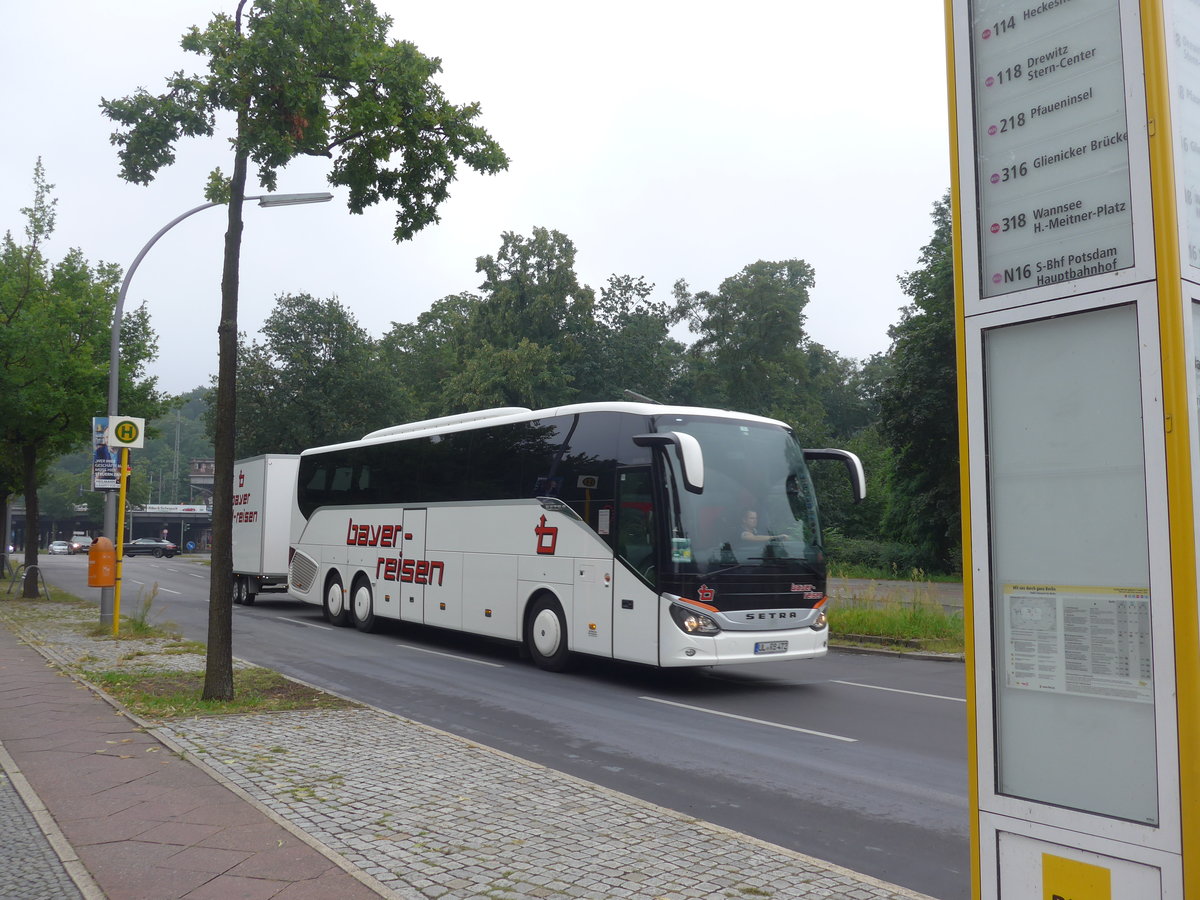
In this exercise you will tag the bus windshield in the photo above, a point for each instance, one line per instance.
(757, 508)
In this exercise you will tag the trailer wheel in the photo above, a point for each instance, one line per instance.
(247, 594)
(362, 606)
(239, 588)
(335, 602)
(546, 634)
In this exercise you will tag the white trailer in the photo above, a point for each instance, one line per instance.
(263, 499)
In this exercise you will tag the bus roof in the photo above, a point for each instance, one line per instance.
(509, 415)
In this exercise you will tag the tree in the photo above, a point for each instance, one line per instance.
(919, 405)
(314, 379)
(750, 351)
(629, 346)
(54, 350)
(532, 319)
(420, 358)
(301, 78)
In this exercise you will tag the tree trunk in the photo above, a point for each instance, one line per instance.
(33, 526)
(218, 675)
(4, 561)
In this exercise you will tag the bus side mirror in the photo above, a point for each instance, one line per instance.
(687, 451)
(858, 480)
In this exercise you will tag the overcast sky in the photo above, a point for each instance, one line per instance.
(666, 139)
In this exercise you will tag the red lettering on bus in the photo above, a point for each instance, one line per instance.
(370, 535)
(410, 571)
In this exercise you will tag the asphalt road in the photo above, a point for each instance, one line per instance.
(856, 759)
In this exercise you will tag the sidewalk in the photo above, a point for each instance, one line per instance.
(350, 803)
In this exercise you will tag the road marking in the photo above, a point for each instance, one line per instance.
(876, 687)
(302, 622)
(169, 591)
(194, 575)
(451, 656)
(714, 712)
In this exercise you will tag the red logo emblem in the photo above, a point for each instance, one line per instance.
(706, 594)
(241, 478)
(547, 536)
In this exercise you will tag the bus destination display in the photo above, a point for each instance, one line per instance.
(1051, 137)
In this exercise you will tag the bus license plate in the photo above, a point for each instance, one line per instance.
(771, 647)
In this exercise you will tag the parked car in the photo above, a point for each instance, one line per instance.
(150, 547)
(57, 547)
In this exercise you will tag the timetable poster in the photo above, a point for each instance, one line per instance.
(1089, 641)
(1052, 142)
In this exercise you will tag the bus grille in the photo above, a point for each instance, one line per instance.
(302, 573)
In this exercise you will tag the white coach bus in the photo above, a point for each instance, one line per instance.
(663, 535)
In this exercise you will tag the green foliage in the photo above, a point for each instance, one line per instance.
(852, 557)
(750, 354)
(918, 406)
(919, 624)
(54, 351)
(314, 78)
(315, 378)
(535, 336)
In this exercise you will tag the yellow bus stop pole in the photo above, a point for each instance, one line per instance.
(123, 469)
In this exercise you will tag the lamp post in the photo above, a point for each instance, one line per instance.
(114, 356)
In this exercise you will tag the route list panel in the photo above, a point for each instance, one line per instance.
(1052, 142)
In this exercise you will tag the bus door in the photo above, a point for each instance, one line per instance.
(433, 591)
(634, 597)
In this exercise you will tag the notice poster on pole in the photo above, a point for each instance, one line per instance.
(1086, 641)
(104, 461)
(1052, 142)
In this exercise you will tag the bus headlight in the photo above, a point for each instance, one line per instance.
(693, 621)
(822, 621)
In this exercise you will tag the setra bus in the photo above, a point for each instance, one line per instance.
(670, 536)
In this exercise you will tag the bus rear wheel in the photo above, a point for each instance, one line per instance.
(546, 635)
(361, 605)
(336, 612)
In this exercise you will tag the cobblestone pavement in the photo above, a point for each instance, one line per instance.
(427, 814)
(421, 809)
(29, 867)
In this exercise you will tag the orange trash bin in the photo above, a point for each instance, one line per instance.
(102, 563)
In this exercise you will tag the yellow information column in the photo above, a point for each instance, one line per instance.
(1076, 193)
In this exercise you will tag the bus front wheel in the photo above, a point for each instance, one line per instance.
(361, 606)
(336, 612)
(546, 635)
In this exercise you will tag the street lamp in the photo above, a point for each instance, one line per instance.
(114, 352)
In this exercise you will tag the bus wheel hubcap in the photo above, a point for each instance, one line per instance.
(546, 634)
